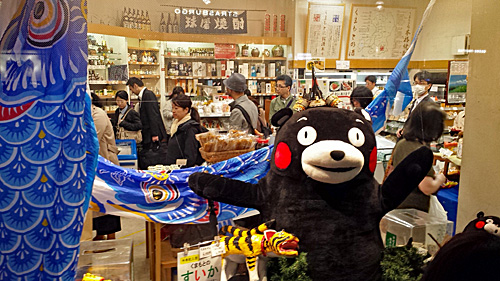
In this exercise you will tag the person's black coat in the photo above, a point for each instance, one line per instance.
(132, 121)
(184, 145)
(152, 124)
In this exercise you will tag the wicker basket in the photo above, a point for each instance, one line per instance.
(214, 157)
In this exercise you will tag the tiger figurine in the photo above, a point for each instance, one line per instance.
(253, 246)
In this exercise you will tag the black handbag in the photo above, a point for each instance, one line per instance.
(156, 154)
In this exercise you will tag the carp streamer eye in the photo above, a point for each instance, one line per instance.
(307, 136)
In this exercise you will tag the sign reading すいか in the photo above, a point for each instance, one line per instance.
(198, 268)
(203, 21)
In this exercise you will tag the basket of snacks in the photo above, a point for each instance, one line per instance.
(218, 146)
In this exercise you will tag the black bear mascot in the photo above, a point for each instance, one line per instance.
(321, 188)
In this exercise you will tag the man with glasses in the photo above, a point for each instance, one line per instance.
(285, 99)
(422, 83)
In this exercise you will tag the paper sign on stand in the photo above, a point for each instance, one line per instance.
(343, 64)
(193, 267)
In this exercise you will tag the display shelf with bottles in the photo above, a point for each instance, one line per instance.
(143, 62)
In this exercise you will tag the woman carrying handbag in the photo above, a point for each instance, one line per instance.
(126, 121)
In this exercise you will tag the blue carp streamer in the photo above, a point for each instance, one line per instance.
(167, 198)
(48, 145)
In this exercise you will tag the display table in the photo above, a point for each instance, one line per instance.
(447, 160)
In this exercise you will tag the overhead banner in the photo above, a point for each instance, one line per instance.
(167, 198)
(204, 21)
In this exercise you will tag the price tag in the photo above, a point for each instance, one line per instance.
(205, 252)
(343, 64)
(181, 162)
(218, 250)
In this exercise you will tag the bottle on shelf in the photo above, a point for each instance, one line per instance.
(139, 20)
(131, 18)
(169, 24)
(148, 22)
(143, 21)
(125, 22)
(163, 24)
(175, 25)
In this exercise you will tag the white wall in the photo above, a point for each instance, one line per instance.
(449, 18)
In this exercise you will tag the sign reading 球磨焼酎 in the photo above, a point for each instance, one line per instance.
(206, 21)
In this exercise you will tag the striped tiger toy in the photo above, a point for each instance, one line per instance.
(252, 246)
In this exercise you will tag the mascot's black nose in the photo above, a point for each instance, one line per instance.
(337, 155)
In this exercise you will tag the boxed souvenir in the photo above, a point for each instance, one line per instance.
(398, 226)
(111, 259)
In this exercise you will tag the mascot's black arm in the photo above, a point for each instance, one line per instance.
(226, 190)
(405, 178)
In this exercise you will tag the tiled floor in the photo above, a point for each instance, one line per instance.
(135, 229)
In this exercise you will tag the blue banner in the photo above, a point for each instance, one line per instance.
(48, 145)
(167, 198)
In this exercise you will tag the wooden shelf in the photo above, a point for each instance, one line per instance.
(214, 77)
(182, 37)
(144, 63)
(237, 58)
(377, 63)
(106, 82)
(145, 76)
(94, 67)
(137, 48)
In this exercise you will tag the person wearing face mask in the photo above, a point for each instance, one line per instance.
(420, 88)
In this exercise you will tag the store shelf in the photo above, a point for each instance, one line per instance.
(145, 76)
(183, 37)
(215, 115)
(237, 58)
(453, 108)
(189, 57)
(137, 48)
(261, 58)
(144, 63)
(214, 77)
(94, 67)
(106, 82)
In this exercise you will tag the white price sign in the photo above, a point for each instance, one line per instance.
(343, 64)
(192, 267)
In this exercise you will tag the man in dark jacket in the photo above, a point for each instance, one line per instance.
(153, 129)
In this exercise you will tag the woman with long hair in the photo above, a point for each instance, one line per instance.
(425, 125)
(186, 124)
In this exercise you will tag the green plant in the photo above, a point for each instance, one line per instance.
(288, 269)
(402, 263)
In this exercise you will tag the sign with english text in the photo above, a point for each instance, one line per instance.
(205, 21)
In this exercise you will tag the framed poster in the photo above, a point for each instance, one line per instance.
(456, 88)
(379, 33)
(324, 30)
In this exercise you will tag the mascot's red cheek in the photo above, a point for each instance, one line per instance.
(480, 224)
(282, 156)
(373, 160)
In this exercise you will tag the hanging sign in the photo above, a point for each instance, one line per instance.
(203, 21)
(225, 51)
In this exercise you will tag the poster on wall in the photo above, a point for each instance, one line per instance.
(317, 63)
(208, 21)
(225, 51)
(379, 33)
(324, 30)
(457, 81)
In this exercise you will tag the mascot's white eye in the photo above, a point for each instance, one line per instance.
(307, 135)
(356, 137)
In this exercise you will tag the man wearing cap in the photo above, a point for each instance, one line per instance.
(244, 113)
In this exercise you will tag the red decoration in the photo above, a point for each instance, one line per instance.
(480, 224)
(282, 156)
(373, 160)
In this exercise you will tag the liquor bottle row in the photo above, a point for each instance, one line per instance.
(224, 68)
(171, 25)
(136, 20)
(144, 56)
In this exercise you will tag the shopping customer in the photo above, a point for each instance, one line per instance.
(422, 83)
(183, 148)
(167, 110)
(285, 99)
(425, 125)
(153, 129)
(105, 225)
(244, 113)
(361, 96)
(371, 82)
(125, 116)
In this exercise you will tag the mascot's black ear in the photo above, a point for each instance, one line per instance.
(280, 117)
(480, 215)
(363, 113)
